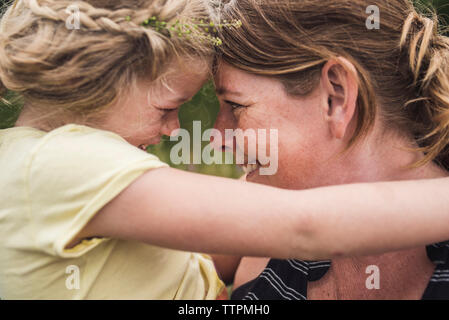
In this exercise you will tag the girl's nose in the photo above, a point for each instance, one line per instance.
(171, 124)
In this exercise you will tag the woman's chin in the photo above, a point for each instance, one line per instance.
(256, 177)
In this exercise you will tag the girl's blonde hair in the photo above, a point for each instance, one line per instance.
(80, 71)
(403, 66)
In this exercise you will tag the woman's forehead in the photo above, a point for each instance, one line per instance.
(236, 82)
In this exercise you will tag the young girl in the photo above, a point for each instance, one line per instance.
(60, 166)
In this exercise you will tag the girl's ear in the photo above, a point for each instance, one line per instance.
(339, 82)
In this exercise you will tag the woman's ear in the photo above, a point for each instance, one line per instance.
(339, 82)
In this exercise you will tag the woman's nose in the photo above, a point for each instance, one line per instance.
(171, 124)
(225, 121)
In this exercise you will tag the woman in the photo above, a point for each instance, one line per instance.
(352, 105)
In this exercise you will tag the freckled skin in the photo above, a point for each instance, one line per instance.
(309, 157)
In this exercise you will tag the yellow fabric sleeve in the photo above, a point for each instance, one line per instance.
(72, 173)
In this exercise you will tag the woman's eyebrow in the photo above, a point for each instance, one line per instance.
(223, 90)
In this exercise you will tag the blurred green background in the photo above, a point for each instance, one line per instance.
(203, 107)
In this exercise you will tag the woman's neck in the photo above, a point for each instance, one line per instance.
(392, 158)
(377, 158)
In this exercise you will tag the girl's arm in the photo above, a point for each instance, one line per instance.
(192, 212)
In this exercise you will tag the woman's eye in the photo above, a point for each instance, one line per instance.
(234, 106)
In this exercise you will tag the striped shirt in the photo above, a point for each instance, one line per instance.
(287, 279)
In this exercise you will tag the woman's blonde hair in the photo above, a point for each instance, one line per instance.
(80, 71)
(403, 66)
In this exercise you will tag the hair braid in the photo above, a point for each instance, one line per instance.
(85, 70)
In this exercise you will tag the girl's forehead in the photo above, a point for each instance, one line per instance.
(179, 87)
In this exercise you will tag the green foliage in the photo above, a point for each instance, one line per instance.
(441, 7)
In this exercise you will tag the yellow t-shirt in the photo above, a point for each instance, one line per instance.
(51, 185)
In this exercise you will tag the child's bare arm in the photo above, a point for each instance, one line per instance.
(186, 211)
